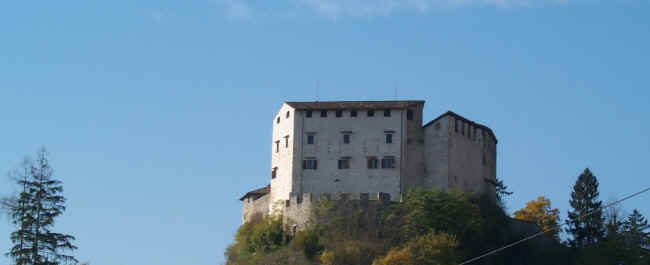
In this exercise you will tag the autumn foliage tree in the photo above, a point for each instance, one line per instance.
(540, 212)
(429, 249)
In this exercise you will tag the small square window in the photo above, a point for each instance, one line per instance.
(409, 114)
(387, 113)
(344, 163)
(371, 113)
(372, 162)
(339, 113)
(309, 164)
(346, 138)
(389, 138)
(353, 113)
(274, 172)
(388, 162)
(308, 113)
(323, 113)
(310, 139)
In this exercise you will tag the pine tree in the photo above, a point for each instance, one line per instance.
(586, 230)
(21, 217)
(33, 212)
(636, 236)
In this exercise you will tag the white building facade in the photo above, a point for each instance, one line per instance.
(372, 147)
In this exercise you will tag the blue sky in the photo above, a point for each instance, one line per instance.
(158, 114)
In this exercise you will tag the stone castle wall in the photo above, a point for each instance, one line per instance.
(297, 211)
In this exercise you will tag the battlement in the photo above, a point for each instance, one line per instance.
(298, 199)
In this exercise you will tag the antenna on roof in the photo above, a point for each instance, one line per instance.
(317, 84)
(396, 86)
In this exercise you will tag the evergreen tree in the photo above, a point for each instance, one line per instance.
(33, 212)
(636, 236)
(586, 230)
(502, 193)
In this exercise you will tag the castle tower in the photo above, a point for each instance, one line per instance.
(346, 146)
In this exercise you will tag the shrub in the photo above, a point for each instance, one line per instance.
(267, 235)
(452, 212)
(430, 249)
(351, 252)
(307, 241)
(258, 236)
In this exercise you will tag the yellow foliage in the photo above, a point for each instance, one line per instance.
(430, 249)
(540, 212)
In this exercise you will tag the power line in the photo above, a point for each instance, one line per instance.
(551, 229)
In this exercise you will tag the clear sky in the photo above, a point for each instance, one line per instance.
(158, 114)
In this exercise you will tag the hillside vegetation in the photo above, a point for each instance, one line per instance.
(428, 227)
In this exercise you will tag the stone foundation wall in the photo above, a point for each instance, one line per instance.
(297, 211)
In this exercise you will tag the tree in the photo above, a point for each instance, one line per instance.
(502, 192)
(585, 221)
(636, 236)
(432, 248)
(426, 210)
(540, 212)
(33, 212)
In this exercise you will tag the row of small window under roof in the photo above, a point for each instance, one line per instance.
(353, 113)
(387, 162)
(311, 137)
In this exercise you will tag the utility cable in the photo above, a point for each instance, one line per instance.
(551, 229)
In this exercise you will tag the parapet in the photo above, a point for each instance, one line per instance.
(299, 199)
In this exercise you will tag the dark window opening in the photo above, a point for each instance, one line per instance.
(371, 113)
(353, 113)
(309, 164)
(344, 163)
(274, 172)
(388, 162)
(277, 120)
(387, 113)
(288, 114)
(389, 138)
(339, 113)
(323, 113)
(372, 162)
(409, 114)
(277, 146)
(346, 138)
(310, 139)
(308, 113)
(286, 141)
(456, 126)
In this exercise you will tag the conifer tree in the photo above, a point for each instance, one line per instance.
(586, 230)
(637, 238)
(33, 212)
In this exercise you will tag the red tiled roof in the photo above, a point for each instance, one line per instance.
(258, 192)
(453, 114)
(387, 104)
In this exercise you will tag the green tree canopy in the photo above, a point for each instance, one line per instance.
(586, 230)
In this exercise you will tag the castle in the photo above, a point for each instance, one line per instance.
(369, 150)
